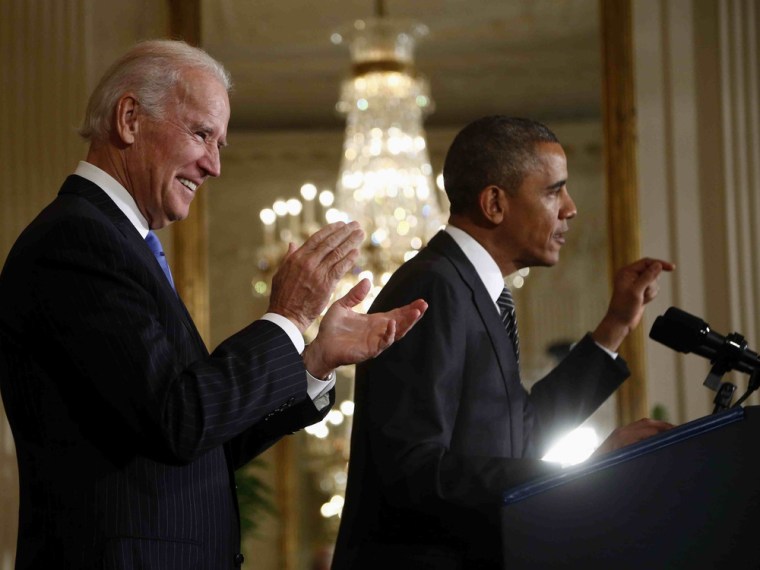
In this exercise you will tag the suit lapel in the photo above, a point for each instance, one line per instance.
(78, 186)
(445, 245)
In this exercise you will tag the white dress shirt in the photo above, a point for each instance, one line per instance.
(487, 269)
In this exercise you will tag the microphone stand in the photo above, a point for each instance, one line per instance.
(724, 396)
(727, 358)
(754, 384)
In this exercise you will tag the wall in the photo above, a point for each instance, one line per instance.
(699, 178)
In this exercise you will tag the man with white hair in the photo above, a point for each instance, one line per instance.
(127, 430)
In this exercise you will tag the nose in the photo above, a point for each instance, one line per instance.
(211, 162)
(568, 209)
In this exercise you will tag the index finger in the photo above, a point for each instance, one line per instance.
(647, 262)
(407, 316)
(325, 233)
(336, 236)
(666, 265)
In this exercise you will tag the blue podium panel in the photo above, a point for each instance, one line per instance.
(688, 498)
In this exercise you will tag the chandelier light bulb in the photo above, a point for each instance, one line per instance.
(347, 407)
(293, 206)
(334, 215)
(267, 216)
(308, 192)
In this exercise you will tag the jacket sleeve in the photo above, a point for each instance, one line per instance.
(113, 331)
(287, 419)
(571, 392)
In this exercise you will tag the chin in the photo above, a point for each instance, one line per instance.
(547, 262)
(178, 214)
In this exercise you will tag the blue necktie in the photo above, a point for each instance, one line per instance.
(509, 318)
(155, 246)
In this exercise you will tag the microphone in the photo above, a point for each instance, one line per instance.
(686, 333)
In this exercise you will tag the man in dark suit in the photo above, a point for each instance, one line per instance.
(442, 423)
(127, 431)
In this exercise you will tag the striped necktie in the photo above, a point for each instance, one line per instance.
(507, 307)
(155, 246)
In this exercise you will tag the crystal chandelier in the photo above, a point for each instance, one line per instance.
(385, 180)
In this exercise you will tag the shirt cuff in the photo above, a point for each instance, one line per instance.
(612, 353)
(290, 329)
(316, 389)
(319, 390)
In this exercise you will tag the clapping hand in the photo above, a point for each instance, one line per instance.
(348, 337)
(308, 275)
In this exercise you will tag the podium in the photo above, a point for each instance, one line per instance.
(687, 498)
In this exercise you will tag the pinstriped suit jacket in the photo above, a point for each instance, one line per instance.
(127, 431)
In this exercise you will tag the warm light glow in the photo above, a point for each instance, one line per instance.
(347, 407)
(326, 198)
(294, 206)
(334, 215)
(268, 216)
(308, 191)
(333, 507)
(366, 275)
(280, 207)
(334, 417)
(517, 279)
(319, 430)
(574, 448)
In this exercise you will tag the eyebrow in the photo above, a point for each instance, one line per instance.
(558, 184)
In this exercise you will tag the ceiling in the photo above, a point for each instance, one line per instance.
(536, 58)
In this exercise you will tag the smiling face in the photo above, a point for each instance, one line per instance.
(536, 216)
(170, 157)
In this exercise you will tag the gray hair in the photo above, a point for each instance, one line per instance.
(152, 69)
(495, 150)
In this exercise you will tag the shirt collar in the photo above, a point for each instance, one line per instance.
(123, 199)
(484, 264)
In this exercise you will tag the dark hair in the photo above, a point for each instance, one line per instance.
(493, 150)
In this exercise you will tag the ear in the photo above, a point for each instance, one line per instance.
(127, 123)
(493, 204)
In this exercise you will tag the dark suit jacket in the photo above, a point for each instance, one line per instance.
(127, 431)
(443, 425)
